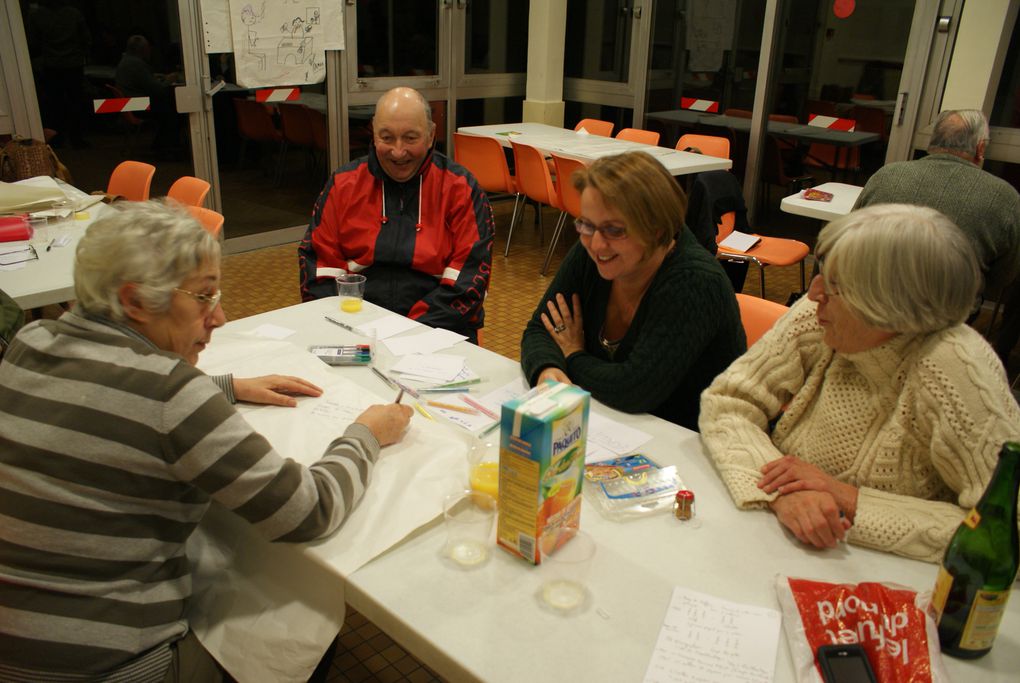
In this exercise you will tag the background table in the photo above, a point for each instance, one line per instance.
(844, 197)
(799, 132)
(488, 625)
(50, 278)
(587, 148)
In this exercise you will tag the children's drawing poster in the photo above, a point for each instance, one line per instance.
(284, 42)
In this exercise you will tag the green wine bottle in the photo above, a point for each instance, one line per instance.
(980, 565)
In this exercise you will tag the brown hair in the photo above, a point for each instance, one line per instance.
(643, 191)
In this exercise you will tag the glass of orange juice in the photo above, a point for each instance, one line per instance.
(351, 289)
(483, 464)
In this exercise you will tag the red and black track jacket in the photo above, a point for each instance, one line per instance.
(426, 251)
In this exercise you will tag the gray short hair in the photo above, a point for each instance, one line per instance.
(959, 130)
(153, 244)
(901, 268)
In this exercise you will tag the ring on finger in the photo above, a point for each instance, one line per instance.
(559, 328)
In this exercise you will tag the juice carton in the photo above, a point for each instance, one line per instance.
(541, 468)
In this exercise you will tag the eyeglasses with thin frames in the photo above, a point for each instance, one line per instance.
(829, 289)
(609, 232)
(209, 300)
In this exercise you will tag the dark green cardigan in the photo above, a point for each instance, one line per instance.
(685, 332)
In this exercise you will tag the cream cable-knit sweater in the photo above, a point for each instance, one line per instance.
(916, 424)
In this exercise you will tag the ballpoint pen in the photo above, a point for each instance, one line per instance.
(459, 383)
(390, 382)
(50, 245)
(450, 406)
(343, 325)
(480, 408)
(399, 396)
(443, 390)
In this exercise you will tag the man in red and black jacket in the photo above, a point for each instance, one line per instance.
(415, 223)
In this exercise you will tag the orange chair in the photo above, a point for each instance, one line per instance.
(254, 124)
(769, 251)
(758, 316)
(596, 127)
(533, 181)
(131, 180)
(712, 145)
(189, 190)
(210, 220)
(570, 200)
(645, 137)
(485, 159)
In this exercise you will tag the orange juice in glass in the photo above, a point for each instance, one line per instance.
(350, 287)
(484, 477)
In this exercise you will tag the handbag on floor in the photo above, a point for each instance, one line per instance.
(23, 158)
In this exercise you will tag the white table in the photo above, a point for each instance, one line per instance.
(844, 197)
(50, 278)
(587, 148)
(799, 132)
(487, 625)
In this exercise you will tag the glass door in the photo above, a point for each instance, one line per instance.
(606, 61)
(258, 94)
(467, 57)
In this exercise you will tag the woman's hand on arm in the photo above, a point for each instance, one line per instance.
(276, 390)
(812, 516)
(790, 474)
(565, 324)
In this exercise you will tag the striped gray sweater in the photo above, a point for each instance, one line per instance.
(110, 451)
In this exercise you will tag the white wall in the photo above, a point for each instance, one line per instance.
(983, 27)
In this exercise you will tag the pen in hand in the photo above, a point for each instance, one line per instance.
(399, 396)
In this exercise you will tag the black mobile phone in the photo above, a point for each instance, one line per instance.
(845, 664)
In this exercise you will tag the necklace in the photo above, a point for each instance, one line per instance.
(610, 345)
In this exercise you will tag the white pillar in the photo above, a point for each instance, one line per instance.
(547, 26)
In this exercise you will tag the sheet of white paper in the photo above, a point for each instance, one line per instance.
(277, 44)
(426, 342)
(608, 438)
(439, 367)
(493, 401)
(708, 640)
(216, 26)
(240, 610)
(270, 331)
(388, 326)
(332, 25)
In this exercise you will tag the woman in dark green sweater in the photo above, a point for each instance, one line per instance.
(639, 314)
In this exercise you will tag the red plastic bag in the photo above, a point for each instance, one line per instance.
(893, 624)
(14, 228)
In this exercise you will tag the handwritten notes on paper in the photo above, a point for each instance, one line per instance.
(708, 640)
(609, 439)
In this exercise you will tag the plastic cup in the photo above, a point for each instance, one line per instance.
(483, 461)
(468, 517)
(565, 568)
(351, 290)
(40, 230)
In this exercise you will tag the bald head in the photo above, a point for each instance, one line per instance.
(402, 132)
(404, 102)
(963, 133)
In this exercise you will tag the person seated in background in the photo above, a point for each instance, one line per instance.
(638, 314)
(114, 444)
(888, 411)
(136, 78)
(415, 223)
(950, 180)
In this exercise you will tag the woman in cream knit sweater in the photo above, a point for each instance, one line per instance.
(870, 412)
